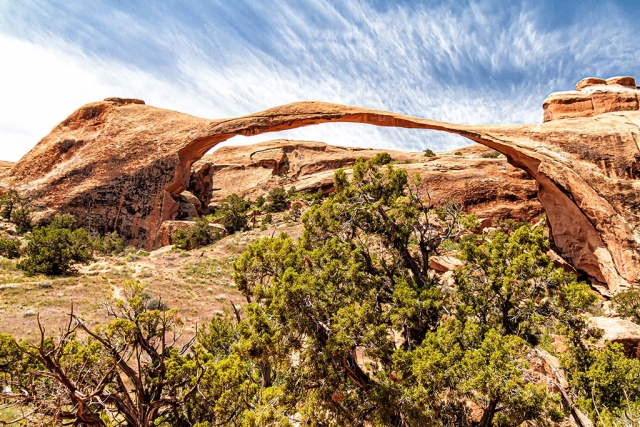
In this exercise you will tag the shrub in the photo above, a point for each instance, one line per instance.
(292, 193)
(429, 153)
(381, 159)
(276, 200)
(7, 202)
(458, 153)
(109, 244)
(200, 235)
(53, 249)
(16, 209)
(10, 248)
(627, 304)
(267, 219)
(295, 213)
(231, 212)
(260, 201)
(490, 155)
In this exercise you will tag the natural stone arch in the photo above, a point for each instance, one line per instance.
(588, 208)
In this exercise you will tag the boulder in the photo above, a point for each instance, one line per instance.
(590, 81)
(621, 331)
(626, 81)
(443, 263)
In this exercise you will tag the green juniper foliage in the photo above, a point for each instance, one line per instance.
(347, 326)
(231, 213)
(200, 235)
(277, 200)
(54, 249)
(109, 244)
(9, 248)
(16, 209)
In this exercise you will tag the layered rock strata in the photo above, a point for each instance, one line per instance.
(593, 96)
(485, 185)
(120, 164)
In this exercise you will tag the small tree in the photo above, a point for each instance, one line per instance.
(200, 235)
(53, 249)
(381, 159)
(129, 371)
(295, 213)
(627, 304)
(109, 244)
(277, 200)
(429, 153)
(231, 213)
(9, 248)
(16, 209)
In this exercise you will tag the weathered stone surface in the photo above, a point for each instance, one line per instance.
(488, 187)
(593, 96)
(621, 331)
(444, 263)
(627, 81)
(590, 81)
(122, 166)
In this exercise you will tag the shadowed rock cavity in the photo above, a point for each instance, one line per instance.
(130, 163)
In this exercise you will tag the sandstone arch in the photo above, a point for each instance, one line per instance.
(118, 164)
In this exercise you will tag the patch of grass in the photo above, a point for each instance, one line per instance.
(10, 414)
(213, 268)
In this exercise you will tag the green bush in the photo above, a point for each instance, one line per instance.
(627, 304)
(381, 159)
(10, 248)
(295, 213)
(7, 202)
(267, 219)
(53, 249)
(16, 209)
(260, 201)
(292, 193)
(490, 155)
(458, 153)
(429, 153)
(231, 212)
(200, 235)
(276, 200)
(109, 244)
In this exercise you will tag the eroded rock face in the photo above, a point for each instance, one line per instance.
(122, 165)
(621, 331)
(593, 96)
(488, 187)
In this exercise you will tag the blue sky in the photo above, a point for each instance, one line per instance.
(461, 61)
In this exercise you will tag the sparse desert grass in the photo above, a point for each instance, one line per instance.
(10, 414)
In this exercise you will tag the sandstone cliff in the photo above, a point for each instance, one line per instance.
(120, 164)
(486, 186)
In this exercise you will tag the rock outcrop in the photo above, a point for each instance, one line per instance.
(621, 331)
(120, 164)
(483, 184)
(593, 96)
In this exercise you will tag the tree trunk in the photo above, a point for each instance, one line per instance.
(489, 412)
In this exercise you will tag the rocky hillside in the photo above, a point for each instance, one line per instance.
(477, 177)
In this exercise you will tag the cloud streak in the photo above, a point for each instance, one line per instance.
(470, 64)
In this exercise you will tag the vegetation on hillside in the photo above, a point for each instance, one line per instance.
(349, 325)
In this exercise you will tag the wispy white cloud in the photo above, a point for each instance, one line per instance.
(475, 64)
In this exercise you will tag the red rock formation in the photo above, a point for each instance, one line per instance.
(121, 165)
(593, 96)
(488, 187)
